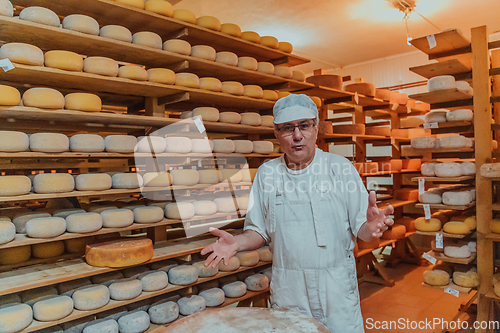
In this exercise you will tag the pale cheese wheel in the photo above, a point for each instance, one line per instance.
(161, 75)
(193, 304)
(234, 174)
(15, 317)
(457, 251)
(179, 210)
(464, 87)
(133, 72)
(210, 83)
(205, 207)
(283, 71)
(126, 180)
(298, 75)
(86, 143)
(251, 118)
(184, 15)
(231, 29)
(205, 271)
(428, 169)
(120, 143)
(157, 179)
(232, 265)
(83, 222)
(49, 142)
(436, 116)
(187, 80)
(209, 22)
(223, 146)
(426, 142)
(453, 141)
(116, 32)
(53, 183)
(430, 197)
(432, 224)
(436, 277)
(6, 8)
(228, 58)
(22, 53)
(448, 170)
(177, 46)
(201, 146)
(285, 47)
(163, 312)
(495, 226)
(161, 7)
(206, 113)
(265, 254)
(490, 170)
(91, 297)
(147, 38)
(14, 185)
(441, 82)
(83, 102)
(230, 117)
(243, 146)
(253, 91)
(153, 280)
(40, 15)
(21, 219)
(69, 287)
(460, 115)
(235, 289)
(8, 231)
(183, 275)
(45, 227)
(233, 88)
(456, 227)
(156, 143)
(53, 308)
(81, 23)
(257, 282)
(101, 66)
(242, 202)
(9, 96)
(150, 214)
(125, 289)
(251, 36)
(47, 250)
(249, 63)
(66, 60)
(133, 3)
(213, 296)
(185, 177)
(178, 144)
(208, 176)
(31, 296)
(265, 67)
(248, 258)
(102, 325)
(457, 198)
(45, 98)
(186, 114)
(468, 168)
(204, 52)
(263, 147)
(15, 255)
(468, 279)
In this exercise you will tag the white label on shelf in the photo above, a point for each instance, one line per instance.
(421, 186)
(429, 258)
(431, 125)
(452, 291)
(199, 124)
(439, 241)
(408, 109)
(193, 167)
(431, 39)
(427, 211)
(180, 168)
(199, 163)
(171, 168)
(354, 138)
(6, 64)
(395, 106)
(356, 98)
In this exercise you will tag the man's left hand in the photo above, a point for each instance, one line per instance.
(377, 220)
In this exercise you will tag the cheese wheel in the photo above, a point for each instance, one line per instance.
(69, 287)
(225, 205)
(53, 183)
(45, 227)
(251, 36)
(93, 182)
(397, 231)
(454, 141)
(116, 32)
(248, 63)
(265, 67)
(7, 231)
(107, 325)
(243, 146)
(133, 3)
(363, 88)
(204, 52)
(253, 91)
(149, 214)
(231, 29)
(283, 71)
(49, 142)
(455, 227)
(40, 15)
(47, 250)
(257, 282)
(201, 146)
(83, 222)
(83, 102)
(184, 15)
(119, 253)
(21, 219)
(32, 296)
(460, 115)
(263, 147)
(187, 80)
(457, 198)
(15, 317)
(53, 308)
(178, 144)
(208, 176)
(213, 296)
(209, 22)
(204, 207)
(269, 95)
(206, 113)
(228, 58)
(205, 271)
(193, 304)
(22, 53)
(126, 180)
(86, 143)
(457, 251)
(448, 170)
(14, 185)
(468, 279)
(210, 83)
(495, 226)
(177, 46)
(426, 142)
(430, 197)
(163, 312)
(13, 141)
(66, 60)
(91, 297)
(234, 174)
(161, 7)
(161, 75)
(298, 75)
(233, 88)
(441, 82)
(408, 222)
(269, 41)
(251, 118)
(383, 94)
(133, 72)
(101, 66)
(9, 96)
(185, 177)
(468, 168)
(464, 87)
(432, 224)
(153, 280)
(436, 277)
(147, 38)
(232, 265)
(235, 289)
(349, 129)
(120, 143)
(267, 121)
(183, 274)
(157, 143)
(15, 255)
(248, 258)
(230, 117)
(81, 23)
(428, 169)
(157, 179)
(285, 47)
(471, 222)
(45, 98)
(6, 8)
(223, 146)
(179, 210)
(490, 170)
(125, 289)
(242, 202)
(265, 254)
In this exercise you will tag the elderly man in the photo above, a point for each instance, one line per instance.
(309, 206)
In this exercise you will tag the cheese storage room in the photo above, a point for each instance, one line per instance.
(249, 166)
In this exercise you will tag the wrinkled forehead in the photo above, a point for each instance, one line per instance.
(297, 122)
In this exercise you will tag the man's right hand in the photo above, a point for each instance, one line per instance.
(224, 248)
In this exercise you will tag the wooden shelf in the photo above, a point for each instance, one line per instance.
(445, 234)
(452, 207)
(80, 155)
(491, 294)
(384, 242)
(442, 96)
(442, 257)
(353, 137)
(453, 127)
(444, 179)
(409, 151)
(455, 67)
(384, 173)
(448, 43)
(450, 285)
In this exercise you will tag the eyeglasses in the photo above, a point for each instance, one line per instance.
(304, 128)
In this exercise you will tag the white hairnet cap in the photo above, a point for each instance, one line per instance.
(294, 107)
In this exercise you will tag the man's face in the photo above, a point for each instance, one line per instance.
(298, 139)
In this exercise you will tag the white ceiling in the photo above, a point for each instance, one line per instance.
(336, 33)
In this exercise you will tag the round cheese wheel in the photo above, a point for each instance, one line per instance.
(177, 46)
(265, 67)
(157, 143)
(213, 296)
(269, 95)
(15, 255)
(454, 141)
(468, 168)
(457, 198)
(161, 75)
(15, 317)
(228, 58)
(53, 183)
(208, 176)
(153, 280)
(203, 52)
(83, 102)
(231, 29)
(363, 88)
(456, 227)
(471, 222)
(232, 265)
(147, 38)
(210, 83)
(116, 32)
(428, 169)
(40, 15)
(223, 146)
(45, 98)
(265, 254)
(251, 118)
(234, 174)
(257, 282)
(298, 75)
(66, 60)
(206, 113)
(248, 63)
(460, 115)
(408, 222)
(230, 117)
(120, 143)
(161, 7)
(248, 258)
(53, 308)
(163, 312)
(9, 96)
(448, 170)
(193, 304)
(150, 214)
(235, 289)
(184, 15)
(133, 3)
(45, 227)
(209, 22)
(205, 271)
(204, 207)
(243, 146)
(8, 231)
(269, 41)
(430, 197)
(117, 218)
(397, 231)
(21, 219)
(426, 142)
(125, 289)
(13, 141)
(91, 297)
(464, 87)
(183, 274)
(495, 226)
(185, 177)
(282, 71)
(432, 224)
(108, 325)
(468, 279)
(86, 143)
(187, 80)
(157, 179)
(179, 211)
(441, 82)
(126, 180)
(263, 147)
(251, 36)
(201, 146)
(436, 277)
(253, 91)
(83, 222)
(6, 8)
(233, 88)
(81, 23)
(133, 72)
(101, 66)
(14, 185)
(47, 250)
(49, 142)
(457, 251)
(285, 47)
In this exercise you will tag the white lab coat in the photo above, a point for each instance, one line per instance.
(310, 218)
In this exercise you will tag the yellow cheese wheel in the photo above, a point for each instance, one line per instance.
(187, 80)
(81, 23)
(9, 96)
(471, 222)
(230, 117)
(283, 71)
(432, 224)
(228, 58)
(161, 7)
(210, 83)
(204, 52)
(233, 88)
(298, 75)
(177, 46)
(253, 91)
(14, 185)
(209, 22)
(285, 47)
(147, 38)
(133, 72)
(133, 3)
(45, 98)
(77, 245)
(251, 36)
(15, 255)
(161, 75)
(119, 253)
(83, 102)
(47, 250)
(69, 61)
(269, 41)
(267, 121)
(7, 231)
(495, 226)
(282, 94)
(116, 32)
(270, 95)
(249, 63)
(456, 227)
(184, 15)
(265, 67)
(100, 65)
(317, 101)
(231, 29)
(408, 222)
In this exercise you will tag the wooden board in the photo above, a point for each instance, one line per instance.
(441, 96)
(409, 151)
(445, 234)
(444, 179)
(452, 207)
(34, 154)
(442, 257)
(446, 42)
(448, 67)
(384, 173)
(451, 285)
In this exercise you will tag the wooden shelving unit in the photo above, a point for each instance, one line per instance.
(462, 261)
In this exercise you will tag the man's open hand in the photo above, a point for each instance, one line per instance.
(224, 248)
(378, 220)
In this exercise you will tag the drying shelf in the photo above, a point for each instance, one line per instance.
(384, 242)
(409, 151)
(463, 261)
(385, 173)
(453, 127)
(452, 207)
(442, 96)
(445, 234)
(444, 179)
(448, 43)
(456, 67)
(353, 137)
(81, 155)
(451, 285)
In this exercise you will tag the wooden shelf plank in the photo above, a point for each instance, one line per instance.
(444, 179)
(445, 234)
(384, 242)
(495, 237)
(442, 257)
(491, 294)
(409, 151)
(446, 42)
(495, 206)
(34, 154)
(452, 207)
(383, 173)
(441, 96)
(354, 137)
(453, 127)
(447, 67)
(450, 285)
